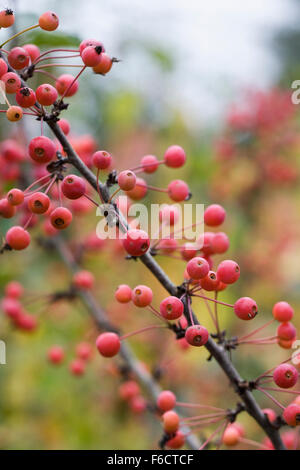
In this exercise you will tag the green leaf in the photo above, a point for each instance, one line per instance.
(42, 39)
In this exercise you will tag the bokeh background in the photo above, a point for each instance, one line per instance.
(214, 77)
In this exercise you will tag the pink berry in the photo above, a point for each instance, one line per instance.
(73, 187)
(63, 85)
(219, 243)
(214, 215)
(49, 21)
(197, 268)
(41, 149)
(210, 282)
(166, 400)
(11, 307)
(38, 203)
(291, 415)
(61, 218)
(270, 414)
(149, 163)
(64, 125)
(142, 296)
(56, 355)
(129, 390)
(15, 197)
(188, 251)
(196, 335)
(285, 376)
(18, 58)
(84, 351)
(90, 42)
(7, 210)
(170, 421)
(77, 367)
(91, 55)
(245, 308)
(102, 160)
(167, 245)
(3, 67)
(108, 344)
(14, 290)
(126, 180)
(171, 308)
(178, 190)
(231, 436)
(104, 65)
(177, 441)
(286, 331)
(7, 18)
(228, 272)
(175, 156)
(17, 238)
(25, 97)
(139, 191)
(46, 94)
(33, 51)
(12, 82)
(123, 294)
(83, 280)
(283, 312)
(136, 242)
(169, 214)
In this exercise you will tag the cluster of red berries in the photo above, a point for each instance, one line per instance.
(84, 353)
(12, 307)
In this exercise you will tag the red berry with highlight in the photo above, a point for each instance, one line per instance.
(286, 331)
(41, 149)
(228, 272)
(166, 400)
(175, 156)
(7, 18)
(73, 187)
(104, 65)
(15, 197)
(283, 312)
(33, 51)
(197, 268)
(245, 308)
(196, 335)
(108, 344)
(136, 242)
(149, 163)
(171, 308)
(219, 243)
(214, 215)
(102, 160)
(170, 421)
(123, 294)
(38, 203)
(178, 190)
(17, 238)
(18, 58)
(77, 367)
(61, 218)
(83, 280)
(139, 191)
(12, 82)
(291, 415)
(63, 85)
(49, 21)
(3, 67)
(25, 97)
(142, 296)
(91, 55)
(285, 376)
(46, 94)
(56, 355)
(126, 180)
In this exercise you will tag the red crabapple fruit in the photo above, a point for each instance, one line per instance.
(38, 203)
(17, 238)
(41, 149)
(108, 344)
(61, 218)
(170, 421)
(228, 272)
(175, 156)
(102, 160)
(285, 376)
(73, 187)
(197, 268)
(142, 296)
(245, 308)
(283, 312)
(196, 335)
(136, 242)
(214, 215)
(171, 308)
(56, 355)
(126, 180)
(123, 294)
(291, 415)
(83, 280)
(166, 400)
(49, 21)
(7, 18)
(46, 94)
(178, 190)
